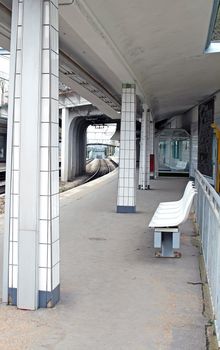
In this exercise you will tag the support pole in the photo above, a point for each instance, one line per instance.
(126, 200)
(145, 147)
(65, 144)
(217, 134)
(148, 148)
(31, 256)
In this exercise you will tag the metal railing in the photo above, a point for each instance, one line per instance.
(207, 209)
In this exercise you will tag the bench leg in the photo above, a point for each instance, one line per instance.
(167, 244)
(167, 241)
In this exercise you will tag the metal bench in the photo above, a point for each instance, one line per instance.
(166, 221)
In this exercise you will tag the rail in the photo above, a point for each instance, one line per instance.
(103, 168)
(207, 210)
(107, 165)
(2, 181)
(93, 176)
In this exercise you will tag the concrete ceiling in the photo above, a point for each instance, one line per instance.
(159, 43)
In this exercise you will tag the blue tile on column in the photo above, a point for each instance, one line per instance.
(49, 299)
(12, 296)
(126, 209)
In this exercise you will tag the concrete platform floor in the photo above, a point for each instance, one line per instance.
(115, 295)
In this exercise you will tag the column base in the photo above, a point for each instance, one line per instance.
(144, 188)
(12, 296)
(45, 299)
(48, 299)
(126, 209)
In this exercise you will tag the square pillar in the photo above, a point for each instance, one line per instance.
(66, 121)
(31, 241)
(148, 150)
(156, 156)
(145, 149)
(126, 200)
(152, 141)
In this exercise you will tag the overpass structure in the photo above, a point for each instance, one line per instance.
(133, 60)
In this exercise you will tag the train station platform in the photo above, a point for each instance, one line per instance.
(115, 295)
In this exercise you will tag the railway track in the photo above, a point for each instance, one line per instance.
(2, 182)
(95, 169)
(102, 168)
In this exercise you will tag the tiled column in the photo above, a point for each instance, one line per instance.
(148, 150)
(31, 242)
(151, 135)
(143, 147)
(126, 200)
(152, 173)
(156, 156)
(66, 121)
(193, 149)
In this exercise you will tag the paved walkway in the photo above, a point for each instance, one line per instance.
(115, 294)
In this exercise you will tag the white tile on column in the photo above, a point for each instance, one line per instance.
(13, 276)
(15, 182)
(54, 158)
(20, 13)
(54, 62)
(56, 275)
(120, 192)
(17, 112)
(54, 135)
(14, 206)
(46, 61)
(56, 253)
(44, 207)
(45, 85)
(54, 39)
(54, 86)
(54, 111)
(14, 229)
(126, 202)
(18, 62)
(44, 159)
(54, 16)
(18, 85)
(55, 229)
(45, 279)
(44, 231)
(13, 256)
(44, 183)
(55, 182)
(120, 201)
(45, 110)
(10, 277)
(45, 134)
(46, 37)
(55, 205)
(46, 12)
(44, 255)
(19, 38)
(126, 193)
